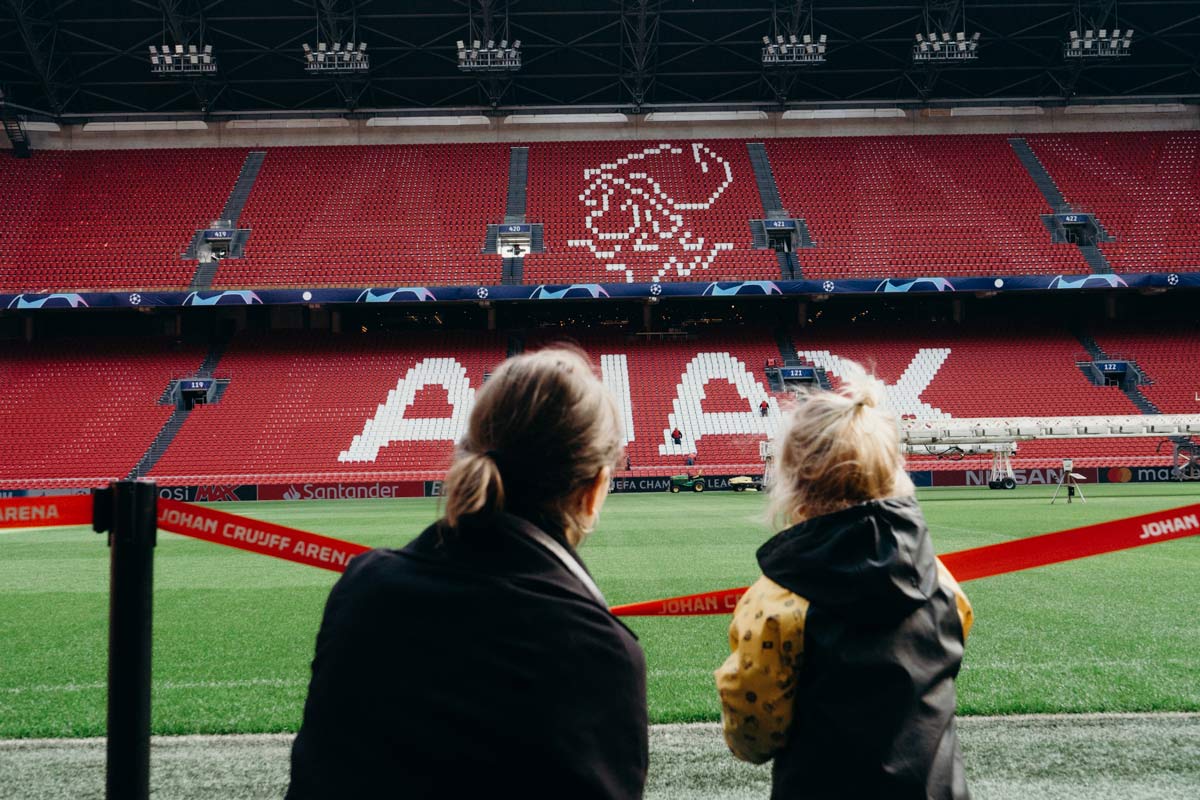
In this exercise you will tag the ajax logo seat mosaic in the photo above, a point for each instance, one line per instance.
(391, 424)
(637, 204)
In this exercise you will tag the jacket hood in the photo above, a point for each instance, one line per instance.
(873, 560)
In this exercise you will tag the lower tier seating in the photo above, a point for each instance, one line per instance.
(1167, 355)
(309, 405)
(83, 411)
(314, 406)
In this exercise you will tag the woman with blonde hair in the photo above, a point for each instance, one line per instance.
(481, 660)
(845, 651)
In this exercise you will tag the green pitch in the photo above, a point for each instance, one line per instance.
(234, 631)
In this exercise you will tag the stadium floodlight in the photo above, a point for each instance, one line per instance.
(174, 60)
(1097, 43)
(336, 57)
(945, 46)
(492, 58)
(792, 50)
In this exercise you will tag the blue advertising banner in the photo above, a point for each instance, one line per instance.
(598, 291)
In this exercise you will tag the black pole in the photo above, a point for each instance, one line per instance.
(127, 511)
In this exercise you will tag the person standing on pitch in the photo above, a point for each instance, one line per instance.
(481, 660)
(845, 651)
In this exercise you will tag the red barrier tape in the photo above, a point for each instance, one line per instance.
(983, 562)
(41, 512)
(325, 552)
(256, 536)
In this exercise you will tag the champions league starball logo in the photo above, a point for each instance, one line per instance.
(630, 211)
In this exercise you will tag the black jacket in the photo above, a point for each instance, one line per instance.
(471, 664)
(849, 645)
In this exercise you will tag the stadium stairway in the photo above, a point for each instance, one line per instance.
(16, 134)
(768, 192)
(514, 210)
(243, 186)
(1132, 389)
(206, 272)
(1095, 259)
(179, 415)
(518, 177)
(1054, 196)
(787, 349)
(1039, 175)
(764, 178)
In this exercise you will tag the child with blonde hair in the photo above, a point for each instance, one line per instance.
(845, 651)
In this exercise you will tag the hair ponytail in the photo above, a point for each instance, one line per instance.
(473, 486)
(837, 449)
(859, 388)
(542, 428)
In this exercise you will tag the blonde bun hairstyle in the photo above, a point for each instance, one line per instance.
(542, 428)
(837, 449)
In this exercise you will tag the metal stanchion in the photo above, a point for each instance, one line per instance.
(127, 512)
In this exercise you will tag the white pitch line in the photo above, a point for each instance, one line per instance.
(663, 728)
(168, 685)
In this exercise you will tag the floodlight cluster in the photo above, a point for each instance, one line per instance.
(336, 57)
(191, 60)
(1107, 44)
(494, 57)
(793, 51)
(945, 46)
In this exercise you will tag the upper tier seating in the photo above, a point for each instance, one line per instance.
(909, 206)
(637, 211)
(80, 412)
(107, 219)
(391, 215)
(1143, 187)
(372, 215)
(290, 413)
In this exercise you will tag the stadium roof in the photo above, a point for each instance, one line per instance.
(80, 59)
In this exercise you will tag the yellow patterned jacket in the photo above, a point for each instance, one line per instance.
(843, 659)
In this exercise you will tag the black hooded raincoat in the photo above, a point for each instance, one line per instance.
(843, 661)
